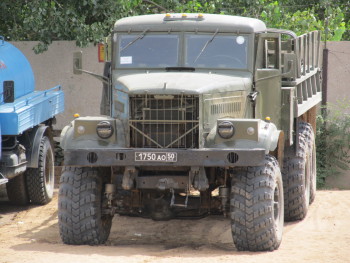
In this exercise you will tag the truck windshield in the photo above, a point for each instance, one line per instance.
(218, 51)
(214, 50)
(148, 51)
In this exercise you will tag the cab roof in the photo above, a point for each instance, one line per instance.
(190, 23)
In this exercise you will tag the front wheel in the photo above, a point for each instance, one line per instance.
(257, 207)
(80, 215)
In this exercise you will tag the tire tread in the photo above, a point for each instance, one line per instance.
(79, 211)
(251, 207)
(296, 205)
(36, 176)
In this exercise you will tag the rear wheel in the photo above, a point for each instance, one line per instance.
(17, 190)
(80, 212)
(299, 175)
(40, 181)
(310, 139)
(257, 207)
(313, 178)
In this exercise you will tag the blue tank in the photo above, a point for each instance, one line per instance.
(15, 67)
(21, 107)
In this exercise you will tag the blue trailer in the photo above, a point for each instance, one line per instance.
(26, 128)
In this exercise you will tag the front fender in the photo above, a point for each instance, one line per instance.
(71, 138)
(265, 136)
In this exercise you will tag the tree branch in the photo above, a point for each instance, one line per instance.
(155, 4)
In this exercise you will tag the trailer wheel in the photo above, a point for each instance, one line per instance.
(257, 209)
(299, 175)
(80, 215)
(40, 181)
(17, 190)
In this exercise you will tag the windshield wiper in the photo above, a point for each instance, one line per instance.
(134, 40)
(206, 44)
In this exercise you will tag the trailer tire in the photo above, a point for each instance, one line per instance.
(17, 190)
(40, 181)
(257, 209)
(80, 199)
(299, 175)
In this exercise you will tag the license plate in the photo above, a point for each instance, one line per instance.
(168, 157)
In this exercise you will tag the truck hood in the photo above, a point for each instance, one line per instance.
(183, 82)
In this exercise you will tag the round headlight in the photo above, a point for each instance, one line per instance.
(226, 130)
(104, 129)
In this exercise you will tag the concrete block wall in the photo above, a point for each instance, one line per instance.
(55, 67)
(338, 71)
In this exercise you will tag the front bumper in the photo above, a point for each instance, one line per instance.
(189, 157)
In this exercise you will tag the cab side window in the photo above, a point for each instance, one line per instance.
(271, 52)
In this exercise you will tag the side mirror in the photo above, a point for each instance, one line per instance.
(77, 62)
(78, 67)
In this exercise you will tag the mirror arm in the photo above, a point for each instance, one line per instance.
(99, 77)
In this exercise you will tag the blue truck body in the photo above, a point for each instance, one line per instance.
(26, 115)
(30, 110)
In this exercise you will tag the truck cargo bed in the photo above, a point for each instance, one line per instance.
(30, 110)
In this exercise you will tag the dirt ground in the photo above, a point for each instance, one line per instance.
(31, 235)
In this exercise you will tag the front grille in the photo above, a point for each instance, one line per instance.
(164, 121)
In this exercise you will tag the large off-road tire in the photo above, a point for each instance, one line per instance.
(80, 217)
(17, 190)
(257, 214)
(40, 181)
(299, 175)
(313, 179)
(310, 139)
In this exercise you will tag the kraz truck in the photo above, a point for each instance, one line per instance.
(26, 120)
(205, 114)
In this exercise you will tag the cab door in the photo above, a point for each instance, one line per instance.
(267, 77)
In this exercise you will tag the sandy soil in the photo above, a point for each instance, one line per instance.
(31, 235)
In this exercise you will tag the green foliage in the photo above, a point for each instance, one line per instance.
(302, 21)
(333, 141)
(88, 21)
(330, 17)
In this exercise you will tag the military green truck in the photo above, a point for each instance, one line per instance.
(201, 114)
